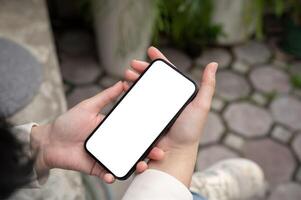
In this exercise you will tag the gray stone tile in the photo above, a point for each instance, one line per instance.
(259, 99)
(213, 129)
(178, 58)
(240, 67)
(281, 134)
(288, 191)
(295, 68)
(297, 92)
(252, 53)
(287, 111)
(80, 70)
(81, 93)
(248, 120)
(219, 55)
(276, 160)
(297, 145)
(234, 141)
(108, 108)
(196, 74)
(231, 86)
(217, 104)
(210, 155)
(270, 79)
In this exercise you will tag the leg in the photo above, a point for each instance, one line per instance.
(231, 179)
(197, 196)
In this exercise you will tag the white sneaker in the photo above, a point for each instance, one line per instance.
(232, 179)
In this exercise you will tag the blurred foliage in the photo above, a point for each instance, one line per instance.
(85, 9)
(296, 81)
(276, 7)
(186, 23)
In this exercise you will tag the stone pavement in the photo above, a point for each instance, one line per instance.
(256, 111)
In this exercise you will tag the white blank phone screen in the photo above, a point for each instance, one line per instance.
(139, 118)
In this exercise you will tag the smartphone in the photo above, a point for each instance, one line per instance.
(139, 118)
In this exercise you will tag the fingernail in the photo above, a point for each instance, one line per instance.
(213, 67)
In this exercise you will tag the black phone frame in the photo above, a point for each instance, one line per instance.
(166, 128)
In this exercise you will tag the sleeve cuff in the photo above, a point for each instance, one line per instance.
(155, 184)
(22, 132)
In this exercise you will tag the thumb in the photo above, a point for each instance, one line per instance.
(105, 97)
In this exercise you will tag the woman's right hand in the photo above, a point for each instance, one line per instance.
(181, 142)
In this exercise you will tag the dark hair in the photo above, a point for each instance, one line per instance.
(16, 166)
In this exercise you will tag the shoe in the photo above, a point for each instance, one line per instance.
(232, 179)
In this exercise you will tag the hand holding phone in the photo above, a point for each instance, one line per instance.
(181, 142)
(144, 113)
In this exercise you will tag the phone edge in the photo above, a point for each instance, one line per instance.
(144, 155)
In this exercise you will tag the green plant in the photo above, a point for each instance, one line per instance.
(187, 23)
(296, 81)
(258, 8)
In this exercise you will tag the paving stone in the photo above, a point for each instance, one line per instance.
(259, 99)
(219, 55)
(21, 77)
(108, 108)
(210, 155)
(248, 120)
(178, 58)
(276, 160)
(231, 86)
(234, 141)
(270, 79)
(196, 74)
(217, 104)
(213, 129)
(280, 64)
(288, 191)
(80, 70)
(281, 134)
(297, 146)
(108, 81)
(287, 111)
(240, 67)
(295, 68)
(75, 42)
(297, 92)
(252, 53)
(81, 93)
(281, 55)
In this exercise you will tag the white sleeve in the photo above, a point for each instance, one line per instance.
(154, 184)
(22, 132)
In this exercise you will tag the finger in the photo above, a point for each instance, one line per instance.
(204, 96)
(141, 167)
(105, 97)
(156, 154)
(108, 178)
(126, 86)
(131, 75)
(154, 53)
(139, 66)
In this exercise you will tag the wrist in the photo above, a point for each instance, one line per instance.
(178, 162)
(39, 139)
